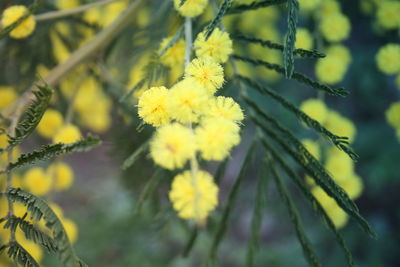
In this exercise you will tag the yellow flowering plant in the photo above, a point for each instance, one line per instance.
(178, 89)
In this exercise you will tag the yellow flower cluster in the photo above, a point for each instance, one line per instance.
(388, 59)
(393, 117)
(192, 122)
(335, 27)
(333, 67)
(304, 39)
(387, 14)
(13, 14)
(7, 96)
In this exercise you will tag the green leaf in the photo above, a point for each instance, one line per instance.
(308, 250)
(17, 253)
(256, 221)
(51, 151)
(290, 38)
(39, 209)
(226, 4)
(135, 155)
(312, 166)
(296, 75)
(340, 142)
(270, 44)
(223, 224)
(254, 5)
(32, 117)
(310, 197)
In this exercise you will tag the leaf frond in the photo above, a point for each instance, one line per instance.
(254, 5)
(290, 38)
(17, 253)
(226, 4)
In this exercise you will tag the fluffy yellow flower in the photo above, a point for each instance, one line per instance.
(388, 58)
(153, 106)
(173, 56)
(340, 125)
(225, 107)
(51, 122)
(392, 115)
(315, 108)
(206, 72)
(353, 186)
(62, 175)
(71, 229)
(7, 96)
(194, 197)
(330, 70)
(338, 216)
(312, 147)
(340, 166)
(326, 201)
(329, 7)
(335, 27)
(37, 181)
(304, 39)
(34, 249)
(187, 101)
(218, 46)
(13, 14)
(67, 134)
(191, 8)
(309, 5)
(339, 51)
(215, 137)
(172, 146)
(388, 14)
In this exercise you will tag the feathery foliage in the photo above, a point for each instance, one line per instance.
(270, 44)
(339, 141)
(53, 150)
(254, 5)
(39, 209)
(33, 115)
(310, 197)
(226, 4)
(296, 75)
(223, 224)
(306, 245)
(20, 255)
(290, 39)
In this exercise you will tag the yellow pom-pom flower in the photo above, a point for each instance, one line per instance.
(335, 27)
(309, 5)
(187, 101)
(339, 51)
(172, 146)
(7, 96)
(71, 229)
(62, 175)
(312, 147)
(218, 45)
(388, 58)
(51, 122)
(330, 70)
(326, 201)
(153, 106)
(13, 14)
(225, 107)
(340, 166)
(215, 137)
(315, 108)
(194, 197)
(392, 115)
(329, 7)
(338, 216)
(173, 56)
(353, 185)
(206, 72)
(191, 8)
(37, 181)
(67, 134)
(388, 14)
(340, 125)
(304, 39)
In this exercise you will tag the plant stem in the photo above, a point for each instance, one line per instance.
(188, 40)
(71, 11)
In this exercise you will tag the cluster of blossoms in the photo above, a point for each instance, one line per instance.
(337, 163)
(190, 120)
(12, 15)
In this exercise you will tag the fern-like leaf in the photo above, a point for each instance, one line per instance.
(223, 224)
(54, 150)
(296, 75)
(39, 209)
(32, 117)
(270, 44)
(254, 5)
(340, 142)
(226, 4)
(310, 197)
(17, 253)
(290, 38)
(306, 245)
